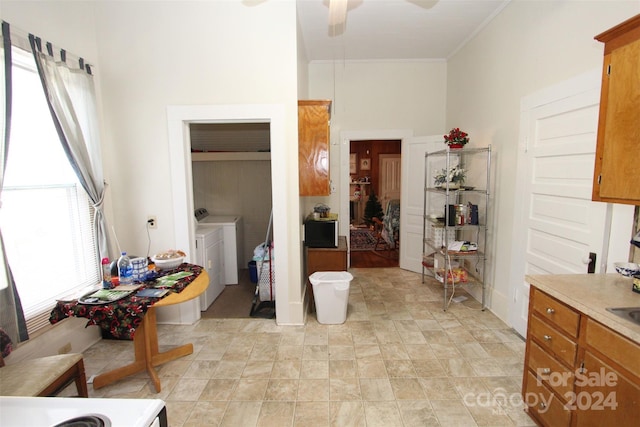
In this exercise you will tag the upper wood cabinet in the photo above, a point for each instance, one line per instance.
(313, 147)
(616, 175)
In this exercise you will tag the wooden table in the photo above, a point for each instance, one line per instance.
(145, 341)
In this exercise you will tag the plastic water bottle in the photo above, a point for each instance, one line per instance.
(125, 270)
(106, 274)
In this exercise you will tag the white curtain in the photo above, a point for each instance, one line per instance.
(12, 323)
(71, 97)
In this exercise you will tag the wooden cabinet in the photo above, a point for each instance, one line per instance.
(616, 177)
(549, 359)
(612, 396)
(578, 372)
(313, 147)
(324, 259)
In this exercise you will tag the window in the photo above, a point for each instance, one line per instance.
(46, 216)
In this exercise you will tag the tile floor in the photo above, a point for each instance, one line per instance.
(398, 360)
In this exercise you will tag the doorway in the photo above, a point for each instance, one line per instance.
(288, 301)
(374, 180)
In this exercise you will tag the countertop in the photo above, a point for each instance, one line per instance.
(591, 294)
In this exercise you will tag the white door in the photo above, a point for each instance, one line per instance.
(559, 225)
(389, 178)
(412, 198)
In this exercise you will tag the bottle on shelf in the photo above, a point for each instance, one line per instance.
(106, 273)
(125, 270)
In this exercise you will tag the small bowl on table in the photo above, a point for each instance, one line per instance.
(168, 260)
(627, 269)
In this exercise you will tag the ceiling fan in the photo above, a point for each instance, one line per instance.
(338, 9)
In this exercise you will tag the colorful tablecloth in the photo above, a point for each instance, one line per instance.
(121, 318)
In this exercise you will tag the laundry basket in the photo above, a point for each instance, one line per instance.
(267, 279)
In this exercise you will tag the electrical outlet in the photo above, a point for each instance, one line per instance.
(152, 222)
(65, 349)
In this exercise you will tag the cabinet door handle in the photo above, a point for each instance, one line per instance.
(546, 371)
(547, 337)
(550, 310)
(543, 405)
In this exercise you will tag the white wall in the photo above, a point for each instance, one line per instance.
(377, 96)
(527, 47)
(151, 55)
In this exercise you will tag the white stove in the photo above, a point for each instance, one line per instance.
(60, 411)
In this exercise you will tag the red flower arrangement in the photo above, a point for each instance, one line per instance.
(456, 138)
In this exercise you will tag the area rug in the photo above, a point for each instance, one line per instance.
(362, 239)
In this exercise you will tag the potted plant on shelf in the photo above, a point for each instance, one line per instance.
(456, 138)
(455, 177)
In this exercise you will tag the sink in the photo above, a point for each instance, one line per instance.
(629, 313)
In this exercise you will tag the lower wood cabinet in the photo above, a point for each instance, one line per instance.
(578, 372)
(324, 259)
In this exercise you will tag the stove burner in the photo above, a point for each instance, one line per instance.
(88, 420)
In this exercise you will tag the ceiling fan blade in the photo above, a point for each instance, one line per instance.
(337, 12)
(425, 4)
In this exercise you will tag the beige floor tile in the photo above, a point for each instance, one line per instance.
(276, 414)
(241, 414)
(417, 413)
(315, 352)
(347, 413)
(289, 352)
(394, 351)
(344, 389)
(368, 368)
(382, 414)
(250, 389)
(178, 412)
(279, 389)
(407, 388)
(201, 369)
(452, 413)
(257, 369)
(288, 369)
(398, 360)
(342, 369)
(311, 414)
(341, 352)
(313, 389)
(218, 389)
(206, 413)
(188, 389)
(376, 389)
(439, 388)
(314, 369)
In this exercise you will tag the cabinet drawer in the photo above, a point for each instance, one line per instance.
(553, 374)
(543, 405)
(616, 347)
(550, 339)
(556, 312)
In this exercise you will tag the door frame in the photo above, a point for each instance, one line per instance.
(290, 309)
(346, 137)
(619, 217)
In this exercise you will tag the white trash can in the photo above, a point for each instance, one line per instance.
(331, 294)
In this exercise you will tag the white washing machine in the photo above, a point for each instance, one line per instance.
(233, 238)
(210, 255)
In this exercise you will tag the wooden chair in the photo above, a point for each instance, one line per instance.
(43, 376)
